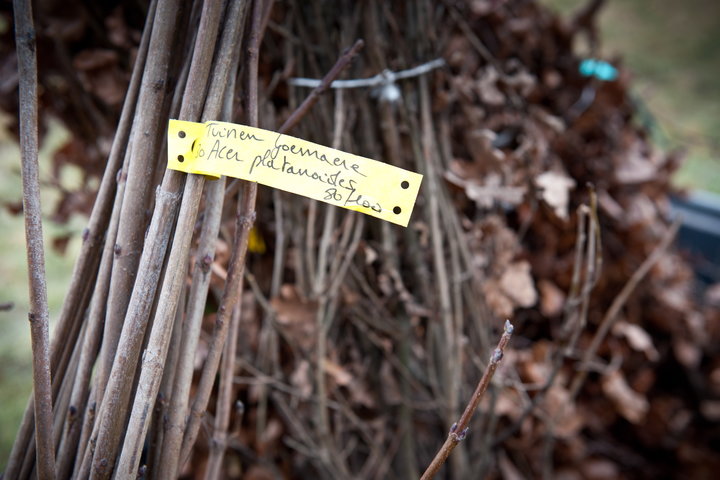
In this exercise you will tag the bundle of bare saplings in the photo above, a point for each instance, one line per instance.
(217, 329)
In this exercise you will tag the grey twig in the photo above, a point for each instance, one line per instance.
(39, 315)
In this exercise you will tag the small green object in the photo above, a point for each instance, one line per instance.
(599, 69)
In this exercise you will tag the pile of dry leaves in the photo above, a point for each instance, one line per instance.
(543, 201)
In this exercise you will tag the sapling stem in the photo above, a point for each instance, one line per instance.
(39, 315)
(459, 430)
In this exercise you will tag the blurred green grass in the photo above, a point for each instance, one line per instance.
(15, 350)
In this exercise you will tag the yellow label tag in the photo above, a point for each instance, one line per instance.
(294, 165)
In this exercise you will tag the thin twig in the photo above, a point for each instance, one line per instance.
(447, 341)
(245, 221)
(391, 259)
(224, 400)
(175, 424)
(460, 429)
(612, 313)
(86, 431)
(327, 80)
(39, 314)
(323, 319)
(201, 279)
(162, 402)
(90, 347)
(593, 262)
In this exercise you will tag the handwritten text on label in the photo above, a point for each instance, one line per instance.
(294, 165)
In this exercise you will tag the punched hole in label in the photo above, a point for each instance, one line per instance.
(181, 134)
(397, 210)
(181, 158)
(405, 185)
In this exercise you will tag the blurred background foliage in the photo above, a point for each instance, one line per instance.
(671, 48)
(673, 51)
(15, 352)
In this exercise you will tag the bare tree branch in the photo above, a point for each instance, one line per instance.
(39, 315)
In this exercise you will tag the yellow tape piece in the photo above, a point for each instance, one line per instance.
(294, 165)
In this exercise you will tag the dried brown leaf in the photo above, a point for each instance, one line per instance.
(687, 353)
(566, 418)
(627, 401)
(552, 299)
(600, 469)
(635, 165)
(638, 339)
(555, 191)
(297, 317)
(341, 376)
(517, 283)
(301, 379)
(487, 87)
(496, 299)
